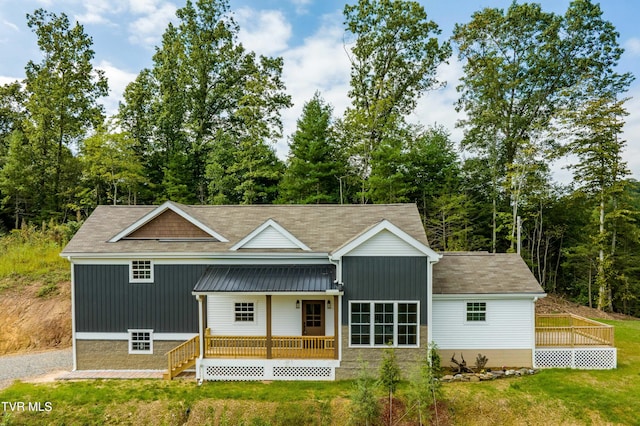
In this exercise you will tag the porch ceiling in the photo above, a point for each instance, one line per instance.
(266, 278)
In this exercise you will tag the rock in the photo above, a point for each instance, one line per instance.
(523, 371)
(509, 373)
(447, 378)
(474, 378)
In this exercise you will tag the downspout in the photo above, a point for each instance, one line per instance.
(429, 307)
(533, 337)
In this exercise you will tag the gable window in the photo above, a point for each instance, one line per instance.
(476, 311)
(383, 323)
(244, 311)
(140, 341)
(141, 271)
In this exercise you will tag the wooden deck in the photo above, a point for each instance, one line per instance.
(568, 330)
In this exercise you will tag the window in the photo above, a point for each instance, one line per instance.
(476, 311)
(244, 311)
(383, 323)
(141, 271)
(407, 324)
(140, 341)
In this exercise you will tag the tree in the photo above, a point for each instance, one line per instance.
(203, 88)
(61, 94)
(522, 68)
(600, 172)
(393, 62)
(315, 166)
(111, 167)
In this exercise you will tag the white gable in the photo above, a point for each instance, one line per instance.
(385, 239)
(385, 243)
(270, 235)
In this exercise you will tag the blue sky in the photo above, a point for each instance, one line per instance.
(308, 34)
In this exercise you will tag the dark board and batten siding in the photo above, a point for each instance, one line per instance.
(384, 278)
(106, 302)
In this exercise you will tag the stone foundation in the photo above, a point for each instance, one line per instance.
(114, 355)
(352, 358)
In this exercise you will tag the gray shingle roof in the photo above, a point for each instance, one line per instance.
(322, 228)
(266, 278)
(483, 273)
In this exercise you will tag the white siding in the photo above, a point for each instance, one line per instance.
(270, 238)
(385, 243)
(221, 315)
(286, 319)
(509, 325)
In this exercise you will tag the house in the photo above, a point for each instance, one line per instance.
(285, 292)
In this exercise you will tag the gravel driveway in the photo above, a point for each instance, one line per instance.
(29, 365)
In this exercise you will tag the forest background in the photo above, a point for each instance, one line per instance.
(200, 126)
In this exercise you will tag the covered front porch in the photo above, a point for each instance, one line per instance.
(264, 322)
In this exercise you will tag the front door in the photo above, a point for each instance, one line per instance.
(313, 317)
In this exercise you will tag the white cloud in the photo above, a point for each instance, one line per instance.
(118, 81)
(632, 46)
(437, 106)
(631, 133)
(266, 32)
(147, 30)
(318, 64)
(301, 6)
(11, 25)
(8, 80)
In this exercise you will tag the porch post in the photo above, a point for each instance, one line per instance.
(201, 321)
(269, 340)
(336, 335)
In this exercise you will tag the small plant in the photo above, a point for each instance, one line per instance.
(390, 375)
(47, 290)
(424, 392)
(434, 359)
(366, 409)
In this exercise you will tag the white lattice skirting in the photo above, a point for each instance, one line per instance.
(237, 369)
(585, 358)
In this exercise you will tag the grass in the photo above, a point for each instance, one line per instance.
(557, 396)
(28, 255)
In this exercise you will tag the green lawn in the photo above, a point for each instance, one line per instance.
(550, 397)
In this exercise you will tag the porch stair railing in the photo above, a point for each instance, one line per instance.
(182, 357)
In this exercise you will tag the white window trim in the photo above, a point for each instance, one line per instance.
(395, 324)
(141, 280)
(476, 322)
(137, 352)
(255, 313)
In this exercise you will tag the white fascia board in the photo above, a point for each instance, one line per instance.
(167, 205)
(388, 226)
(488, 296)
(275, 225)
(125, 336)
(199, 258)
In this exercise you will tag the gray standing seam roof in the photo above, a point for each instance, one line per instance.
(266, 278)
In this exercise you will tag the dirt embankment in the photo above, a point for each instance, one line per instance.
(553, 304)
(29, 322)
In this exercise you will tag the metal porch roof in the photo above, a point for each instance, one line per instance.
(266, 278)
